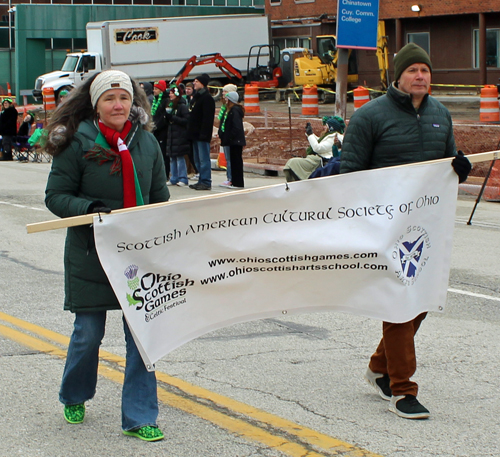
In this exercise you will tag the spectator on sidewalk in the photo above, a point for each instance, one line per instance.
(8, 127)
(160, 102)
(232, 136)
(219, 122)
(178, 144)
(320, 150)
(200, 129)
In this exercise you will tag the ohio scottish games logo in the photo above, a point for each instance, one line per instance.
(411, 254)
(155, 293)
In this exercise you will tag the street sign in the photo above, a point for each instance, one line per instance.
(357, 23)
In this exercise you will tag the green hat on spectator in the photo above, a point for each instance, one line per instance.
(408, 55)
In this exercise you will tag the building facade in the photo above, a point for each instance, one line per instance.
(462, 37)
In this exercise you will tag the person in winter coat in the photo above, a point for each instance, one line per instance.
(220, 116)
(23, 135)
(178, 144)
(8, 127)
(148, 88)
(189, 93)
(232, 135)
(160, 102)
(104, 158)
(321, 149)
(404, 126)
(25, 128)
(200, 128)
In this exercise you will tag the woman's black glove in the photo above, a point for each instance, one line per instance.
(309, 129)
(98, 207)
(462, 166)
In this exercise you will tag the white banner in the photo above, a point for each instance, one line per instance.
(375, 243)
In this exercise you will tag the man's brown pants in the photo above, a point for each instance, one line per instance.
(395, 355)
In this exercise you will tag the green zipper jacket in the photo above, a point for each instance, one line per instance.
(388, 131)
(74, 183)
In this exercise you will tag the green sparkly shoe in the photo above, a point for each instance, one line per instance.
(146, 433)
(74, 414)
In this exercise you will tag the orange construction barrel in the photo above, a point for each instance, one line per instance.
(488, 109)
(221, 159)
(361, 96)
(251, 99)
(310, 101)
(49, 99)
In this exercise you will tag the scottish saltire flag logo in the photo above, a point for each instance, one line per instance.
(410, 254)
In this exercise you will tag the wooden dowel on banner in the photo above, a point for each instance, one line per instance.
(88, 219)
(484, 156)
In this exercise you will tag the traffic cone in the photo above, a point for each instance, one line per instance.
(9, 91)
(361, 96)
(49, 99)
(310, 101)
(488, 108)
(251, 99)
(221, 159)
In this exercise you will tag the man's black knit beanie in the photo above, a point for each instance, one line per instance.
(408, 55)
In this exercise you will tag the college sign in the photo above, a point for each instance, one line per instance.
(357, 22)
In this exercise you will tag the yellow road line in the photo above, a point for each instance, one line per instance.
(236, 417)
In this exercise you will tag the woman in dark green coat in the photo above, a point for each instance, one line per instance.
(104, 158)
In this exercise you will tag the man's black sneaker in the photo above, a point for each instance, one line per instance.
(409, 407)
(380, 382)
(200, 186)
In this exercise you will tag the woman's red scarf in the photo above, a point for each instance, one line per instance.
(116, 141)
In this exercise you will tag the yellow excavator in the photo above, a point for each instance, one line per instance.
(321, 69)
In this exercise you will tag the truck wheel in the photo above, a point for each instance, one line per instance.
(215, 89)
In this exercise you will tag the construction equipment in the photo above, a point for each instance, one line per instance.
(231, 73)
(269, 75)
(302, 67)
(264, 76)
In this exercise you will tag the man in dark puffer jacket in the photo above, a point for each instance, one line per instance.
(404, 126)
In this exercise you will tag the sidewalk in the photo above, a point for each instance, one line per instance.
(254, 177)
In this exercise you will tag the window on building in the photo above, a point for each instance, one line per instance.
(275, 2)
(492, 48)
(4, 37)
(295, 42)
(421, 39)
(62, 43)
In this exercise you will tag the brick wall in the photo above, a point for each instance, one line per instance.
(388, 9)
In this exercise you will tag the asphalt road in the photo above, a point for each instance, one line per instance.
(277, 387)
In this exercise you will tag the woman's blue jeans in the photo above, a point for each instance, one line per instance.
(139, 396)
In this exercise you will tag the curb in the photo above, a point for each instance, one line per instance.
(257, 168)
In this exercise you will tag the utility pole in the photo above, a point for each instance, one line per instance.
(341, 83)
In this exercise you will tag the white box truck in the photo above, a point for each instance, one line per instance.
(153, 49)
